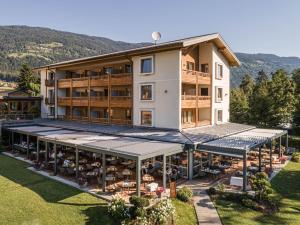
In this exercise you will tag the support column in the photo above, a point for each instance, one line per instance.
(77, 162)
(190, 164)
(271, 166)
(280, 154)
(209, 159)
(55, 159)
(287, 142)
(12, 140)
(103, 172)
(37, 149)
(259, 159)
(46, 152)
(164, 172)
(27, 151)
(138, 177)
(245, 171)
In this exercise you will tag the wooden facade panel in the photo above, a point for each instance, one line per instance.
(80, 101)
(187, 104)
(192, 77)
(80, 82)
(99, 81)
(64, 101)
(121, 79)
(99, 102)
(64, 83)
(121, 102)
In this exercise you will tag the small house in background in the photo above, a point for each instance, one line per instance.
(20, 104)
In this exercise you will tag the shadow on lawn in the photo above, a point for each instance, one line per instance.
(49, 190)
(98, 215)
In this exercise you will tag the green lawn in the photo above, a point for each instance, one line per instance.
(30, 199)
(287, 185)
(185, 213)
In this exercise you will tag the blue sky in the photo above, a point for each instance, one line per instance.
(256, 26)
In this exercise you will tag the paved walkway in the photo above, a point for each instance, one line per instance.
(205, 209)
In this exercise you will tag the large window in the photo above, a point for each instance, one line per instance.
(187, 116)
(203, 91)
(147, 92)
(147, 65)
(219, 71)
(204, 68)
(190, 65)
(146, 118)
(219, 94)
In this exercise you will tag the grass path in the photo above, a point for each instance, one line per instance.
(287, 186)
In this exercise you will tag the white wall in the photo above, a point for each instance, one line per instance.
(59, 93)
(218, 57)
(44, 107)
(167, 88)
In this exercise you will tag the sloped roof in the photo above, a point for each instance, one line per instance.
(176, 44)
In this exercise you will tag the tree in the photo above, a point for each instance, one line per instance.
(261, 185)
(282, 97)
(260, 104)
(247, 84)
(262, 77)
(27, 81)
(296, 79)
(239, 106)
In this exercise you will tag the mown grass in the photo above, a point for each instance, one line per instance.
(287, 186)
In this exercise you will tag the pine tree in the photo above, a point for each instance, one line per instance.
(247, 84)
(27, 81)
(262, 77)
(239, 106)
(282, 97)
(296, 79)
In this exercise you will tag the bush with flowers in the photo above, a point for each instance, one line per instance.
(162, 213)
(118, 209)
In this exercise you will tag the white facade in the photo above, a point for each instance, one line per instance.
(165, 79)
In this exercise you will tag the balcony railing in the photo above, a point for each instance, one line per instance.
(193, 77)
(80, 101)
(121, 101)
(64, 101)
(190, 101)
(49, 83)
(99, 101)
(99, 81)
(121, 79)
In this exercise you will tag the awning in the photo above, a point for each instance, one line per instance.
(238, 144)
(33, 130)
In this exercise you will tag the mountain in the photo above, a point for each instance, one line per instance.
(39, 46)
(252, 63)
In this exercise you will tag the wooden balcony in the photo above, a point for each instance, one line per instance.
(121, 101)
(64, 101)
(194, 124)
(190, 101)
(99, 81)
(121, 79)
(80, 101)
(99, 101)
(194, 77)
(80, 82)
(120, 121)
(100, 120)
(49, 83)
(64, 83)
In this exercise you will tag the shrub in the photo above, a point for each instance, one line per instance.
(161, 213)
(261, 185)
(184, 194)
(118, 210)
(296, 157)
(221, 187)
(249, 203)
(139, 201)
(211, 191)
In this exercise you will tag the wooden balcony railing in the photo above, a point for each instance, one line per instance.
(80, 101)
(194, 124)
(64, 83)
(121, 121)
(190, 101)
(193, 77)
(121, 101)
(80, 82)
(49, 83)
(64, 101)
(121, 79)
(99, 81)
(101, 101)
(100, 120)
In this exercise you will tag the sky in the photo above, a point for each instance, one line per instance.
(254, 26)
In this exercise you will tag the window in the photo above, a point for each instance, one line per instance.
(219, 115)
(146, 118)
(203, 91)
(51, 76)
(204, 68)
(52, 111)
(219, 71)
(187, 116)
(128, 68)
(147, 92)
(147, 65)
(108, 70)
(190, 65)
(219, 94)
